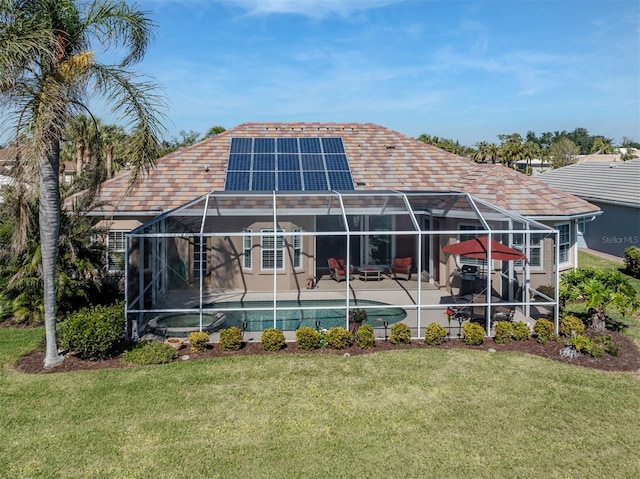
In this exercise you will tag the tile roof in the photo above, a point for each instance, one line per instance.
(615, 183)
(380, 159)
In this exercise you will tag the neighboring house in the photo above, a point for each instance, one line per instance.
(421, 192)
(8, 158)
(4, 180)
(599, 158)
(536, 166)
(615, 189)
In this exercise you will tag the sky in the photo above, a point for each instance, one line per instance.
(466, 70)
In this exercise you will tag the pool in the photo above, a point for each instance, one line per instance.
(325, 314)
(181, 324)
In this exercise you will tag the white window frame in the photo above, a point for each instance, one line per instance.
(271, 253)
(466, 232)
(297, 248)
(247, 243)
(116, 249)
(517, 242)
(564, 245)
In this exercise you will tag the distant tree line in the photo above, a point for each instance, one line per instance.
(556, 149)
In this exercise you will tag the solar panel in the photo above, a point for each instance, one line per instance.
(264, 145)
(263, 181)
(340, 180)
(287, 145)
(287, 164)
(264, 162)
(315, 180)
(237, 181)
(337, 162)
(312, 163)
(239, 162)
(241, 145)
(289, 181)
(332, 145)
(310, 145)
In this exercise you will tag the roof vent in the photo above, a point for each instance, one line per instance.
(390, 147)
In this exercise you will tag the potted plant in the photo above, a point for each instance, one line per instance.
(175, 343)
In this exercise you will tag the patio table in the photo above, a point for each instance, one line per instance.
(371, 272)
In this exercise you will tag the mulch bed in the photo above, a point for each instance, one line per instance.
(627, 360)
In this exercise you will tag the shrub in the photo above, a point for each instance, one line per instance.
(272, 339)
(596, 350)
(503, 332)
(95, 333)
(520, 331)
(150, 352)
(400, 334)
(307, 338)
(581, 342)
(571, 324)
(198, 341)
(472, 334)
(607, 344)
(632, 260)
(435, 334)
(544, 330)
(338, 338)
(231, 339)
(365, 337)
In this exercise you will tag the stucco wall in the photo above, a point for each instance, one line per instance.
(616, 229)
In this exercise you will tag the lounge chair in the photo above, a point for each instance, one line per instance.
(338, 269)
(401, 266)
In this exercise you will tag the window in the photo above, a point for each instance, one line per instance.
(199, 256)
(116, 247)
(466, 234)
(535, 248)
(297, 248)
(246, 249)
(565, 242)
(272, 251)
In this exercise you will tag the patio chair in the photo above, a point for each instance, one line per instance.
(338, 269)
(401, 266)
(503, 314)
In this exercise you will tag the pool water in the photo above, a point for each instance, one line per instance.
(326, 313)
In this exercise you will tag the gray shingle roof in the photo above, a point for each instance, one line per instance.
(616, 183)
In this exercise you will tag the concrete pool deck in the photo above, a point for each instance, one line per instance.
(395, 292)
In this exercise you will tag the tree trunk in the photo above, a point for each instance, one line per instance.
(598, 322)
(79, 156)
(109, 149)
(49, 220)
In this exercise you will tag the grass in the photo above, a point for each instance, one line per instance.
(420, 413)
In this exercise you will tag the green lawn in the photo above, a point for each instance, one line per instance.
(420, 413)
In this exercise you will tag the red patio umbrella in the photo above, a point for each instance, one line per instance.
(477, 248)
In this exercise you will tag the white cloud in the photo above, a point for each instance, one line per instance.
(309, 8)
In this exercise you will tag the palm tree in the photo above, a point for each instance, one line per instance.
(47, 73)
(482, 154)
(530, 150)
(602, 146)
